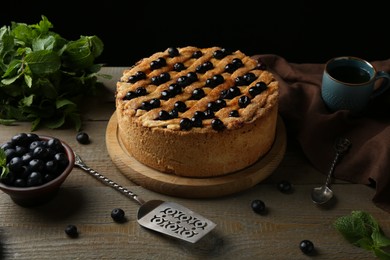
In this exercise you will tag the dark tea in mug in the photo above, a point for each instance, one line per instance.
(349, 74)
(348, 83)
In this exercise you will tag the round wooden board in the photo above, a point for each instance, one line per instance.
(186, 187)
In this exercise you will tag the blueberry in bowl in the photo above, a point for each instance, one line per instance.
(33, 167)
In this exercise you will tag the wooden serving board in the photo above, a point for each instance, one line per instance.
(186, 187)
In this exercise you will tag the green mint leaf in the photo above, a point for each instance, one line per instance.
(28, 80)
(55, 123)
(44, 43)
(96, 44)
(35, 124)
(61, 103)
(362, 230)
(3, 164)
(71, 112)
(23, 34)
(80, 54)
(3, 158)
(350, 228)
(105, 76)
(43, 26)
(366, 243)
(13, 70)
(6, 46)
(47, 89)
(14, 112)
(368, 221)
(380, 239)
(27, 101)
(76, 119)
(43, 62)
(9, 81)
(381, 254)
(7, 121)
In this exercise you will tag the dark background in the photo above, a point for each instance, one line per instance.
(300, 31)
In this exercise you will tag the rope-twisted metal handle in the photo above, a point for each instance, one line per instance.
(79, 162)
(341, 146)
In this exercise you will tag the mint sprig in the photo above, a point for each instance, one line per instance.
(362, 230)
(3, 164)
(43, 76)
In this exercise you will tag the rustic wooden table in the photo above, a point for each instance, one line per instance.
(38, 232)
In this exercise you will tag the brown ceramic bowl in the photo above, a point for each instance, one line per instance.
(36, 195)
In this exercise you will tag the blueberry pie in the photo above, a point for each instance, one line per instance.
(197, 112)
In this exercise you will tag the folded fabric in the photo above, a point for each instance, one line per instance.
(316, 128)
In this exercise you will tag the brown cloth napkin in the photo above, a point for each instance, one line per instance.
(316, 128)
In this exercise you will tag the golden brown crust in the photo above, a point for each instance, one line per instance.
(199, 151)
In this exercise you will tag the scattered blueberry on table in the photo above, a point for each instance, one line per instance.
(118, 215)
(284, 186)
(306, 246)
(82, 138)
(71, 231)
(258, 206)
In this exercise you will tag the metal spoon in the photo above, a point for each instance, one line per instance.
(323, 194)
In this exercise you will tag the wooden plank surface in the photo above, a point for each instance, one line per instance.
(38, 233)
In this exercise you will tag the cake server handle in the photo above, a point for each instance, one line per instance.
(79, 162)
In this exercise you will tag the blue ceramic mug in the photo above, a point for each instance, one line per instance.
(349, 83)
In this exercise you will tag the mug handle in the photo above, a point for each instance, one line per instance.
(383, 86)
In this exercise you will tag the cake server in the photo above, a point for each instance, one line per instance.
(165, 217)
